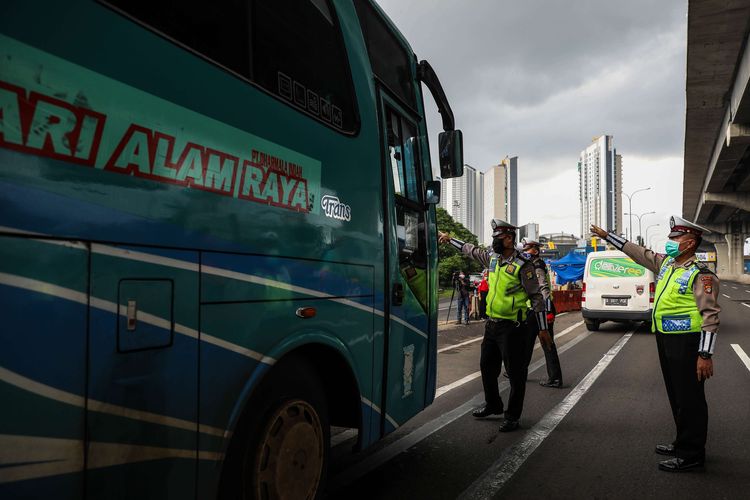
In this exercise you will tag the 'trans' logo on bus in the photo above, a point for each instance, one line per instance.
(333, 208)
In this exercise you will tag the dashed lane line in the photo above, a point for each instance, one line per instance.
(727, 296)
(746, 304)
(404, 443)
(742, 355)
(468, 378)
(492, 481)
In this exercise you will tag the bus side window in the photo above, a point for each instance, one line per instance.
(293, 49)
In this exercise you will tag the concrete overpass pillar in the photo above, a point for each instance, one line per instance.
(722, 257)
(735, 248)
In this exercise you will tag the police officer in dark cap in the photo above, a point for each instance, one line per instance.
(513, 283)
(685, 319)
(530, 250)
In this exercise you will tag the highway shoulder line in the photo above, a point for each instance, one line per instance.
(402, 444)
(742, 355)
(493, 480)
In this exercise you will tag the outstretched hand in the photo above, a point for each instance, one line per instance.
(598, 231)
(443, 237)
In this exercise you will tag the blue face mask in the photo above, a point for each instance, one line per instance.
(526, 255)
(672, 248)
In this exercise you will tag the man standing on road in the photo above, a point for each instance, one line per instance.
(686, 320)
(512, 283)
(554, 372)
(463, 290)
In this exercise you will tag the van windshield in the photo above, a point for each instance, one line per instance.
(615, 267)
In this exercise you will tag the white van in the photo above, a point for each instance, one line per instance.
(615, 288)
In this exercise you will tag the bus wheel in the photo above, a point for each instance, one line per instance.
(289, 457)
(281, 446)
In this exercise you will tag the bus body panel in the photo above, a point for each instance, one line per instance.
(43, 288)
(218, 211)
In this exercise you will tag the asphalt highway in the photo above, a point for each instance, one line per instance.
(594, 438)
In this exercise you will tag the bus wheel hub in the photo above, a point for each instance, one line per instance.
(290, 461)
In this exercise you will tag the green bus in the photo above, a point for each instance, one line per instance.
(217, 240)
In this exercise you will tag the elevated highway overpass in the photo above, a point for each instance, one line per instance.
(716, 189)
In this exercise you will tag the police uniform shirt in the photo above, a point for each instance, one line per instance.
(540, 268)
(535, 289)
(705, 287)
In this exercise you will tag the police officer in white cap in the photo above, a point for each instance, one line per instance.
(686, 320)
(530, 250)
(512, 282)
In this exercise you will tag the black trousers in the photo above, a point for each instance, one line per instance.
(678, 356)
(483, 304)
(554, 372)
(504, 340)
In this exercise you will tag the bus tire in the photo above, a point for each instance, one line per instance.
(282, 447)
(592, 325)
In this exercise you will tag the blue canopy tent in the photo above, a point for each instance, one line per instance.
(569, 268)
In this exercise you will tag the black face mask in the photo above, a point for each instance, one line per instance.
(498, 245)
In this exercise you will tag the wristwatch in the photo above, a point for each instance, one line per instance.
(704, 355)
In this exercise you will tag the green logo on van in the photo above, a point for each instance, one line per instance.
(618, 267)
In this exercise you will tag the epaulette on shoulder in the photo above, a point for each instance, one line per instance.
(703, 268)
(520, 260)
(539, 264)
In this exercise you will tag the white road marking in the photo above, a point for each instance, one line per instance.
(734, 287)
(745, 304)
(467, 342)
(399, 446)
(748, 291)
(743, 356)
(492, 481)
(727, 296)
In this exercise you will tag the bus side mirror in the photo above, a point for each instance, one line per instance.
(432, 193)
(451, 151)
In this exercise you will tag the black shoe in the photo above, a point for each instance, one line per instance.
(665, 449)
(551, 383)
(508, 425)
(486, 411)
(680, 464)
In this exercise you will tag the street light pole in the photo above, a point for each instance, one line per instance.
(639, 222)
(630, 206)
(649, 227)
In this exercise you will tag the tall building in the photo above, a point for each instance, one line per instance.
(461, 197)
(600, 185)
(512, 183)
(500, 196)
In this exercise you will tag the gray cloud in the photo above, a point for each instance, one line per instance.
(540, 78)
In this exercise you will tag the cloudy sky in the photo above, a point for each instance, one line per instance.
(540, 78)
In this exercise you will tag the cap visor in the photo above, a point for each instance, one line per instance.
(674, 234)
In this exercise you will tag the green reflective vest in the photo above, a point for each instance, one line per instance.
(507, 297)
(675, 310)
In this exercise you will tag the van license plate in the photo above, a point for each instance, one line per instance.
(615, 302)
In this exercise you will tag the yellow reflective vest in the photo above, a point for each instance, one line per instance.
(507, 298)
(675, 310)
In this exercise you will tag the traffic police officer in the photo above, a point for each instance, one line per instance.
(554, 372)
(686, 320)
(512, 283)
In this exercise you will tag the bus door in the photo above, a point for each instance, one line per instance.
(143, 373)
(407, 337)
